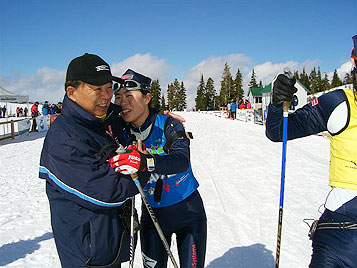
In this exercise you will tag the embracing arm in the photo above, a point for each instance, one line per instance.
(73, 167)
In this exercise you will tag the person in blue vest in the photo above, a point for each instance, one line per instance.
(172, 189)
(234, 109)
(87, 197)
(334, 235)
(45, 108)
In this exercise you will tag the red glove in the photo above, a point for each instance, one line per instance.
(129, 162)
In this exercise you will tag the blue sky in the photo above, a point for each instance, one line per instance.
(170, 39)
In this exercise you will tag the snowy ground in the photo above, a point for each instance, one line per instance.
(238, 169)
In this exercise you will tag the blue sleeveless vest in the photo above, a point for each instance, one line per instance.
(176, 187)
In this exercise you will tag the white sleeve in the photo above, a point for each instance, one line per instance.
(338, 119)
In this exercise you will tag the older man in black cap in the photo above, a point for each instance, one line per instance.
(86, 196)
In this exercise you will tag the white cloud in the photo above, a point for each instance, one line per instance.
(45, 84)
(148, 65)
(341, 72)
(48, 84)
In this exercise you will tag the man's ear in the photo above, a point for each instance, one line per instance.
(148, 98)
(70, 93)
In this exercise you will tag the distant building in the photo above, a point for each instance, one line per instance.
(260, 98)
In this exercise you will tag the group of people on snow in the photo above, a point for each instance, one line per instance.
(95, 149)
(232, 107)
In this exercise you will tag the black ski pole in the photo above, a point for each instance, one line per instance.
(153, 218)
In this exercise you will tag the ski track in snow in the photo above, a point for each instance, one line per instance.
(238, 169)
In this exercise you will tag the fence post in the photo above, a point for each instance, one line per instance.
(12, 129)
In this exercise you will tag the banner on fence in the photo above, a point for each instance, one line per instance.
(42, 123)
(258, 117)
(24, 126)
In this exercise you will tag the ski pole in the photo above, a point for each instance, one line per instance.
(286, 105)
(132, 239)
(153, 218)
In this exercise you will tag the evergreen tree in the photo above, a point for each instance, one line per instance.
(253, 80)
(304, 79)
(336, 81)
(210, 95)
(313, 81)
(319, 83)
(325, 83)
(156, 94)
(181, 105)
(347, 79)
(163, 103)
(200, 95)
(174, 93)
(170, 96)
(226, 85)
(260, 84)
(238, 87)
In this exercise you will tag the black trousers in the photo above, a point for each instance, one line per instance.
(188, 221)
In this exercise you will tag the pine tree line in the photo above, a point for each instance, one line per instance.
(207, 97)
(176, 96)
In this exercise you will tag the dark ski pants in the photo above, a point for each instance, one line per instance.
(187, 220)
(334, 248)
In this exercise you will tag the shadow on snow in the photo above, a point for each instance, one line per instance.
(254, 256)
(17, 250)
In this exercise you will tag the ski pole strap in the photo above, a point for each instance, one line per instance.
(337, 225)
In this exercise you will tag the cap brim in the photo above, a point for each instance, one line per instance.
(118, 80)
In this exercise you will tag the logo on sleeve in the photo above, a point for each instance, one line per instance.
(314, 102)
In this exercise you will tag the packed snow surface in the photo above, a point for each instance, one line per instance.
(239, 172)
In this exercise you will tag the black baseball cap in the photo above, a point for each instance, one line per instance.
(90, 69)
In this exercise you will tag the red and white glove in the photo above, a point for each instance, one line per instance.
(129, 162)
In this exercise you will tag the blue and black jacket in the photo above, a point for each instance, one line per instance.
(85, 193)
(166, 141)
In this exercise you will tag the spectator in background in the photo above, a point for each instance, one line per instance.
(26, 111)
(34, 114)
(59, 107)
(45, 108)
(229, 109)
(248, 105)
(234, 109)
(242, 105)
(4, 111)
(53, 108)
(17, 111)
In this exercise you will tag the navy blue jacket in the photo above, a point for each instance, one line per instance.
(85, 194)
(308, 120)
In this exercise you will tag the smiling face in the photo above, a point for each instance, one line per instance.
(135, 105)
(94, 99)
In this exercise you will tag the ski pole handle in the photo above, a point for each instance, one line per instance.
(286, 104)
